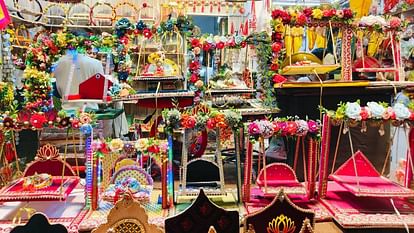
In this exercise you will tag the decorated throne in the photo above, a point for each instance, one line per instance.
(127, 216)
(280, 216)
(201, 216)
(48, 177)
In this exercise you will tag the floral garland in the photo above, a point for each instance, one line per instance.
(354, 112)
(207, 44)
(283, 128)
(226, 119)
(25, 119)
(6, 96)
(382, 24)
(301, 17)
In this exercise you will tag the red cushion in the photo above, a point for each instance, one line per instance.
(52, 167)
(278, 174)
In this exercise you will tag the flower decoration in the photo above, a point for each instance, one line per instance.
(152, 147)
(116, 145)
(38, 120)
(353, 111)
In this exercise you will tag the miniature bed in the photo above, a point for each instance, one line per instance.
(201, 215)
(280, 216)
(47, 178)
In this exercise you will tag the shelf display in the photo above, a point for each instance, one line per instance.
(190, 102)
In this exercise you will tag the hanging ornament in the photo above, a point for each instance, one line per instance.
(246, 28)
(211, 7)
(202, 6)
(218, 6)
(227, 7)
(194, 6)
(253, 20)
(9, 152)
(232, 28)
(241, 29)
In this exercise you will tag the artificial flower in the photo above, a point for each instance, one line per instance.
(274, 66)
(194, 66)
(243, 44)
(141, 144)
(197, 50)
(276, 47)
(199, 84)
(64, 122)
(303, 128)
(301, 19)
(220, 45)
(328, 13)
(147, 33)
(86, 129)
(313, 126)
(75, 123)
(291, 128)
(8, 122)
(395, 22)
(96, 145)
(116, 144)
(211, 123)
(194, 78)
(365, 113)
(85, 118)
(37, 120)
(307, 11)
(266, 128)
(401, 111)
(153, 149)
(207, 46)
(389, 114)
(254, 128)
(348, 14)
(195, 42)
(411, 118)
(353, 110)
(340, 14)
(317, 13)
(377, 110)
(277, 78)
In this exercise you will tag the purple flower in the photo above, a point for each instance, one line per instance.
(313, 126)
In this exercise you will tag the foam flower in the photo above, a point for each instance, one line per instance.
(254, 128)
(377, 110)
(317, 13)
(37, 120)
(313, 126)
(353, 110)
(401, 111)
(116, 144)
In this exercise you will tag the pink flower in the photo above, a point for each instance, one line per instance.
(254, 129)
(307, 12)
(411, 118)
(313, 126)
(395, 22)
(276, 127)
(291, 127)
(211, 123)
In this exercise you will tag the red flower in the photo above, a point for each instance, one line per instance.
(154, 149)
(211, 123)
(276, 47)
(188, 122)
(75, 123)
(328, 13)
(348, 14)
(124, 40)
(194, 66)
(411, 118)
(278, 13)
(193, 78)
(8, 122)
(243, 44)
(307, 12)
(301, 19)
(195, 42)
(286, 18)
(147, 33)
(274, 66)
(365, 114)
(278, 36)
(206, 47)
(291, 128)
(220, 45)
(277, 78)
(38, 120)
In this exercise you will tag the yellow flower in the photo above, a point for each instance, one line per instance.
(279, 27)
(293, 13)
(141, 144)
(61, 39)
(281, 224)
(317, 13)
(116, 144)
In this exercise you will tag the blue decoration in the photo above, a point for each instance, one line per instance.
(86, 129)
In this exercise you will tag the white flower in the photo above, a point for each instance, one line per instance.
(372, 20)
(353, 110)
(302, 127)
(401, 111)
(376, 109)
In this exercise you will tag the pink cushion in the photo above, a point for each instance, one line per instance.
(363, 165)
(277, 174)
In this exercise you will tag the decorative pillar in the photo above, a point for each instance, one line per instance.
(346, 52)
(410, 156)
(247, 172)
(92, 166)
(324, 158)
(311, 179)
(238, 163)
(164, 183)
(169, 179)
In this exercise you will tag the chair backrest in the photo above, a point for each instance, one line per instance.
(279, 216)
(201, 216)
(127, 216)
(39, 223)
(210, 171)
(278, 172)
(48, 161)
